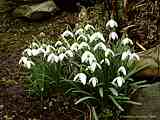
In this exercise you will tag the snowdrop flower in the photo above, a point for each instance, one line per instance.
(61, 56)
(75, 47)
(38, 51)
(108, 52)
(24, 61)
(88, 27)
(52, 58)
(96, 36)
(79, 31)
(69, 53)
(83, 45)
(93, 66)
(58, 43)
(81, 77)
(118, 81)
(67, 33)
(61, 49)
(100, 45)
(125, 55)
(82, 37)
(113, 36)
(94, 81)
(112, 23)
(87, 57)
(122, 70)
(105, 61)
(34, 45)
(49, 48)
(134, 56)
(28, 52)
(126, 41)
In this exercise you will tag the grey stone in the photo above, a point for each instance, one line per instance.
(36, 11)
(150, 99)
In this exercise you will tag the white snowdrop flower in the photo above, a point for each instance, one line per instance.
(126, 41)
(29, 64)
(52, 58)
(75, 47)
(58, 43)
(35, 45)
(82, 37)
(105, 61)
(61, 56)
(38, 51)
(79, 31)
(69, 53)
(118, 81)
(113, 36)
(96, 36)
(84, 45)
(134, 56)
(67, 33)
(87, 57)
(111, 23)
(94, 81)
(88, 27)
(61, 49)
(93, 66)
(126, 55)
(28, 51)
(100, 45)
(108, 52)
(81, 77)
(23, 60)
(122, 70)
(49, 48)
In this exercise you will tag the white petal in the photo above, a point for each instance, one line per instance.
(113, 36)
(74, 47)
(67, 33)
(108, 52)
(69, 53)
(126, 41)
(118, 81)
(105, 61)
(83, 37)
(100, 45)
(125, 55)
(94, 81)
(123, 70)
(23, 60)
(88, 27)
(79, 31)
(84, 45)
(61, 57)
(58, 43)
(81, 77)
(134, 56)
(96, 36)
(111, 23)
(28, 51)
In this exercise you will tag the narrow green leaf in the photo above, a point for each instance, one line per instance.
(84, 98)
(116, 103)
(101, 92)
(81, 91)
(132, 102)
(114, 91)
(94, 113)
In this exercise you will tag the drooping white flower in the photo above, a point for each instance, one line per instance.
(52, 58)
(28, 51)
(25, 62)
(69, 53)
(61, 49)
(58, 43)
(83, 37)
(88, 57)
(94, 81)
(111, 23)
(96, 36)
(126, 55)
(49, 48)
(81, 77)
(75, 47)
(113, 36)
(108, 52)
(67, 33)
(61, 56)
(34, 45)
(118, 81)
(38, 51)
(122, 70)
(88, 27)
(134, 56)
(126, 41)
(84, 45)
(105, 61)
(100, 45)
(93, 66)
(79, 31)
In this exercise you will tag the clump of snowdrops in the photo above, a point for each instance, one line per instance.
(84, 66)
